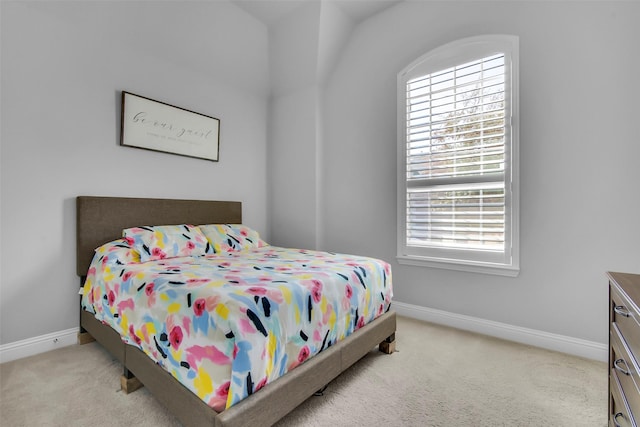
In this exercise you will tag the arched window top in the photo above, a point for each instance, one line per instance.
(459, 51)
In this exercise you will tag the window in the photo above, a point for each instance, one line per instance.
(458, 157)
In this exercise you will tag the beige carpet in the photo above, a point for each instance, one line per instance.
(438, 377)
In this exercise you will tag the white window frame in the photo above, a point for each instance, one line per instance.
(507, 262)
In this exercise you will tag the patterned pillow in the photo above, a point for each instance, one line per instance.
(117, 252)
(232, 237)
(167, 241)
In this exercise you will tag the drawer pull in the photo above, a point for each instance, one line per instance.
(621, 310)
(615, 419)
(624, 370)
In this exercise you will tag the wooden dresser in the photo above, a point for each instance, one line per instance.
(624, 349)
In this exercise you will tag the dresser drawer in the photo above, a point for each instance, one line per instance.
(619, 412)
(625, 368)
(625, 316)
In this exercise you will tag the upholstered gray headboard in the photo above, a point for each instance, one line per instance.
(101, 219)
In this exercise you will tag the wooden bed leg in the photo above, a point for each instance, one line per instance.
(85, 337)
(388, 346)
(321, 391)
(129, 383)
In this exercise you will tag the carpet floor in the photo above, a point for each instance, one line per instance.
(438, 377)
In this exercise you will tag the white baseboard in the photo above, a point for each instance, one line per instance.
(37, 345)
(575, 346)
(561, 343)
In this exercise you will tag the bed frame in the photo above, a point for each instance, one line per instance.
(102, 219)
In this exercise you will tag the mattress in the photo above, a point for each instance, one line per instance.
(227, 324)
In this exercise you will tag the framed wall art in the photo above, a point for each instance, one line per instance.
(157, 126)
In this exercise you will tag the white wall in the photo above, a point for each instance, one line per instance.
(63, 67)
(304, 46)
(331, 172)
(579, 152)
(293, 52)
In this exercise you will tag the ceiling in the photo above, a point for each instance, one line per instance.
(269, 11)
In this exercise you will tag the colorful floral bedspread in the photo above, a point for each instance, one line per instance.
(226, 325)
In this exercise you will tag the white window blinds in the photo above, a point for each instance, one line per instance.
(455, 156)
(458, 191)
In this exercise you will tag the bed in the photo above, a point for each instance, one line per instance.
(101, 220)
